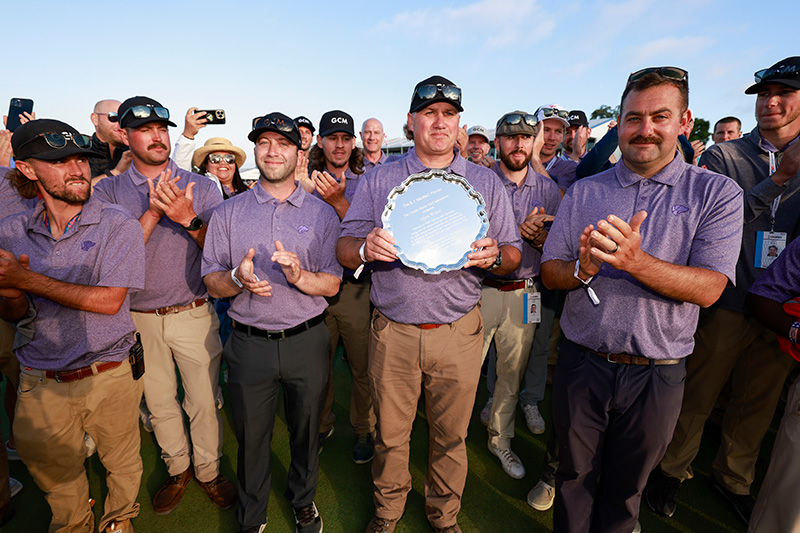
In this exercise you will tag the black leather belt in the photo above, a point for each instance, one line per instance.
(628, 359)
(278, 335)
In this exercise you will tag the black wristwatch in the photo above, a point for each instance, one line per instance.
(497, 261)
(194, 225)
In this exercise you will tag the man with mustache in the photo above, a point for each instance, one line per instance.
(534, 199)
(640, 248)
(173, 313)
(66, 266)
(731, 342)
(337, 168)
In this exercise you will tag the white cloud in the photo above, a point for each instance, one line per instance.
(670, 48)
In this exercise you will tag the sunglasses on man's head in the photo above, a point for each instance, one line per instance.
(146, 111)
(277, 123)
(783, 71)
(515, 118)
(549, 112)
(59, 140)
(672, 73)
(217, 158)
(429, 92)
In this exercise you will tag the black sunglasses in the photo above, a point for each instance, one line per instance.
(111, 115)
(549, 112)
(59, 140)
(217, 159)
(429, 92)
(784, 71)
(145, 111)
(515, 118)
(672, 73)
(277, 123)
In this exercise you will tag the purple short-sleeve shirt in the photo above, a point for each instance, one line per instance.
(694, 219)
(563, 171)
(105, 247)
(781, 280)
(10, 200)
(172, 268)
(408, 295)
(303, 223)
(535, 191)
(351, 183)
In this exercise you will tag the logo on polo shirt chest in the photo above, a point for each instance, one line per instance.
(302, 229)
(679, 209)
(86, 245)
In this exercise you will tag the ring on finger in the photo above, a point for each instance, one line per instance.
(616, 247)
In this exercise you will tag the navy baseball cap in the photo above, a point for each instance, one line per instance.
(435, 89)
(305, 122)
(49, 140)
(336, 121)
(786, 71)
(277, 122)
(141, 110)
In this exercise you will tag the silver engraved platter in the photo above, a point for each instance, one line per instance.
(434, 217)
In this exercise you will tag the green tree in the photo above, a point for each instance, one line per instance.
(701, 130)
(605, 111)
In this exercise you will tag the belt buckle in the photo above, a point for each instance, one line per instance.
(277, 335)
(158, 312)
(608, 358)
(55, 376)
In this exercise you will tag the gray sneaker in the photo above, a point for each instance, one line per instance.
(541, 496)
(510, 461)
(486, 412)
(533, 419)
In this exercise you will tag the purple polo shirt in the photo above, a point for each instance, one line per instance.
(304, 224)
(781, 280)
(535, 191)
(172, 268)
(370, 165)
(10, 200)
(408, 295)
(562, 171)
(104, 248)
(694, 219)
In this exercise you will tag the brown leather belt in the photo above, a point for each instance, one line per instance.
(503, 285)
(172, 309)
(65, 376)
(627, 359)
(278, 335)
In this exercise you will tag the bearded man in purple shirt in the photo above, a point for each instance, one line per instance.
(426, 328)
(640, 248)
(66, 266)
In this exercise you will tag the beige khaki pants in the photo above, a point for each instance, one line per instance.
(190, 341)
(503, 314)
(50, 422)
(445, 363)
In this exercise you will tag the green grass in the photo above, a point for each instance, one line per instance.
(492, 501)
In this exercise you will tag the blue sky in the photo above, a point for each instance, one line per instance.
(365, 57)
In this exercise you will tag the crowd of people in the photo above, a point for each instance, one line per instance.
(670, 278)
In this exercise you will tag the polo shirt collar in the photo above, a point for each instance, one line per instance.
(295, 199)
(529, 181)
(140, 179)
(669, 175)
(457, 166)
(91, 213)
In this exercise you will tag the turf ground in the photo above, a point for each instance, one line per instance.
(493, 502)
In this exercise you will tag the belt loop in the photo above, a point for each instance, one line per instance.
(93, 366)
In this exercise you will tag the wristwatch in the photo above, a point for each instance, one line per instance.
(194, 225)
(497, 261)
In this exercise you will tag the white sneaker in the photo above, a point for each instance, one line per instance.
(541, 496)
(15, 485)
(637, 528)
(486, 412)
(533, 419)
(11, 453)
(511, 463)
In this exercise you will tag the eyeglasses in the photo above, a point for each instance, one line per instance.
(515, 118)
(217, 159)
(277, 123)
(429, 92)
(550, 112)
(784, 71)
(146, 111)
(672, 73)
(59, 140)
(111, 115)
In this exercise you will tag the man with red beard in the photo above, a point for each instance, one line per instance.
(65, 269)
(177, 322)
(505, 299)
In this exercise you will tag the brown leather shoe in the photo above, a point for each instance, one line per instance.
(221, 490)
(381, 525)
(169, 496)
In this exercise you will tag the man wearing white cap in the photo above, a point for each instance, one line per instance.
(553, 121)
(478, 146)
